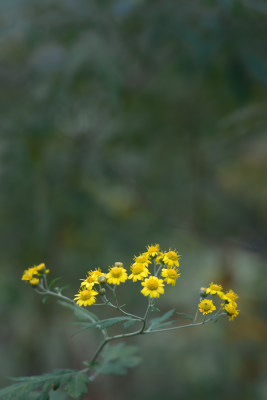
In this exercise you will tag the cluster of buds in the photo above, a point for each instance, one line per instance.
(34, 274)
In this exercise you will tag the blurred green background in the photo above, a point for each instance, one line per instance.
(126, 123)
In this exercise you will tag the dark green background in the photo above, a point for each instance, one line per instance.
(126, 123)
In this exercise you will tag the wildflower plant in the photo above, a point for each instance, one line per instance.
(151, 273)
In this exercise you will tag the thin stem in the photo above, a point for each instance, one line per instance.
(180, 326)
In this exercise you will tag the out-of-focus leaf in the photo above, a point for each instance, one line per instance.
(117, 358)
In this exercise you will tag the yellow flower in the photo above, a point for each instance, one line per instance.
(142, 259)
(116, 275)
(170, 275)
(33, 272)
(139, 272)
(214, 289)
(153, 287)
(230, 296)
(92, 278)
(153, 250)
(171, 258)
(206, 306)
(40, 267)
(34, 281)
(231, 310)
(159, 258)
(85, 297)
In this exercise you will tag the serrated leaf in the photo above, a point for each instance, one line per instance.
(25, 385)
(77, 385)
(103, 324)
(160, 321)
(80, 313)
(117, 358)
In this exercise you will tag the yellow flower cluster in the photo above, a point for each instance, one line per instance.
(34, 274)
(139, 271)
(229, 306)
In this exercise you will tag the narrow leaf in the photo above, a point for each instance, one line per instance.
(158, 322)
(80, 313)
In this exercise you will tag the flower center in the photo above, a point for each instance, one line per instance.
(141, 259)
(85, 295)
(137, 269)
(206, 306)
(172, 273)
(172, 255)
(152, 284)
(116, 272)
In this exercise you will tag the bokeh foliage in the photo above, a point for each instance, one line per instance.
(125, 123)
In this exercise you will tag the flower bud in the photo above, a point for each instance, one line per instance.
(102, 279)
(34, 281)
(203, 292)
(118, 264)
(102, 291)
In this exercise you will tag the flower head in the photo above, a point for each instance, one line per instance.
(85, 297)
(231, 310)
(153, 250)
(34, 281)
(170, 275)
(142, 259)
(116, 275)
(214, 289)
(230, 297)
(92, 278)
(153, 287)
(171, 258)
(206, 306)
(139, 272)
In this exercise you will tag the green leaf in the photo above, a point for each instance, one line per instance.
(105, 323)
(117, 358)
(160, 321)
(185, 316)
(77, 385)
(129, 323)
(25, 385)
(51, 284)
(80, 313)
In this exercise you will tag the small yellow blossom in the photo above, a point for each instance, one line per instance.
(206, 306)
(139, 272)
(214, 289)
(230, 296)
(92, 278)
(171, 258)
(231, 310)
(153, 250)
(170, 275)
(153, 287)
(116, 275)
(40, 267)
(85, 297)
(34, 281)
(142, 259)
